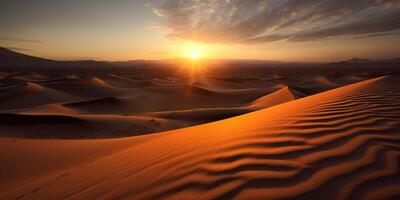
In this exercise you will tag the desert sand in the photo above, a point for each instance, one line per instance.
(342, 143)
(224, 134)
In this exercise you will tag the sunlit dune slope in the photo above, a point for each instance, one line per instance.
(283, 95)
(340, 144)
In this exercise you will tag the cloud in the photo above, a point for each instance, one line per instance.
(258, 21)
(378, 35)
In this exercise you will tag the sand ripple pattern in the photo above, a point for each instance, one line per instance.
(344, 148)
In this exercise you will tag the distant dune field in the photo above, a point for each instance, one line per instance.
(106, 101)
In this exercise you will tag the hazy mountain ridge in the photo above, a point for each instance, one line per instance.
(13, 60)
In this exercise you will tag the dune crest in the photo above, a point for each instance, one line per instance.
(283, 95)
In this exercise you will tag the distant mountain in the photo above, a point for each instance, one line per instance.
(126, 63)
(15, 60)
(354, 61)
(394, 60)
(361, 64)
(359, 61)
(366, 61)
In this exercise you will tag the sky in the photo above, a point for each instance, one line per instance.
(286, 30)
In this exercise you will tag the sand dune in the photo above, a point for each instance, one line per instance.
(78, 126)
(283, 95)
(85, 87)
(155, 99)
(241, 96)
(23, 95)
(233, 82)
(103, 105)
(325, 81)
(45, 109)
(200, 115)
(339, 144)
(126, 82)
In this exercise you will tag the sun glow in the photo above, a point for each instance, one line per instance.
(194, 51)
(195, 54)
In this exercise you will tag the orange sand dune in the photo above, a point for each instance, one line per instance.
(85, 87)
(125, 82)
(183, 97)
(339, 144)
(29, 94)
(283, 95)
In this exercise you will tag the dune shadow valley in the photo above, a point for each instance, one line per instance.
(200, 100)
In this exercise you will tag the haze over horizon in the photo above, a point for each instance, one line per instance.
(290, 30)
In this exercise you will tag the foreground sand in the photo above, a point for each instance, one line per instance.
(339, 144)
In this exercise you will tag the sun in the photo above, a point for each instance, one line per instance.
(193, 51)
(195, 54)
